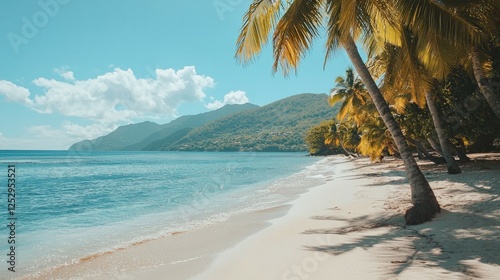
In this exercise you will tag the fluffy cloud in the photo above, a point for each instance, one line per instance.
(233, 97)
(46, 137)
(106, 101)
(71, 131)
(68, 75)
(114, 96)
(65, 73)
(15, 93)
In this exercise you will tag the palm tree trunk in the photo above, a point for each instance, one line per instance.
(461, 152)
(425, 205)
(451, 164)
(427, 155)
(486, 89)
(434, 145)
(348, 153)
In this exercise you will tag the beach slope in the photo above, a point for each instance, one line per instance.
(352, 227)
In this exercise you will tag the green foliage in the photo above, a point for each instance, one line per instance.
(279, 126)
(151, 136)
(466, 114)
(174, 129)
(320, 139)
(416, 122)
(359, 129)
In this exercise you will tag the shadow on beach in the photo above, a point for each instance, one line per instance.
(463, 240)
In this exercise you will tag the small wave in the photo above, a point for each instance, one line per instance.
(186, 260)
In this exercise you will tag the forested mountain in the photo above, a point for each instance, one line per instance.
(186, 123)
(279, 126)
(136, 137)
(122, 137)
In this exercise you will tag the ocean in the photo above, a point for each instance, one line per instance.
(70, 205)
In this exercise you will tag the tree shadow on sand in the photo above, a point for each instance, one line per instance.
(399, 247)
(456, 241)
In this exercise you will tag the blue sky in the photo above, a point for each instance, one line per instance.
(77, 69)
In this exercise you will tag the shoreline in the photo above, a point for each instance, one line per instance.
(251, 218)
(352, 226)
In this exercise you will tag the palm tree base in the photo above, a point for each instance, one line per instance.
(421, 213)
(454, 169)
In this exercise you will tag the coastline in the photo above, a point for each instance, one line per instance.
(349, 227)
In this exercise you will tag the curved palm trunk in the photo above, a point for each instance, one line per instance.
(348, 153)
(427, 155)
(434, 145)
(451, 164)
(425, 204)
(486, 89)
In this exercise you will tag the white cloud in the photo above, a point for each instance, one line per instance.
(65, 73)
(108, 100)
(236, 97)
(115, 96)
(214, 105)
(87, 132)
(68, 75)
(45, 137)
(15, 93)
(72, 132)
(233, 97)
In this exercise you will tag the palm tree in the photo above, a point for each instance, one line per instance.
(343, 135)
(451, 164)
(351, 91)
(403, 71)
(358, 114)
(375, 139)
(487, 15)
(486, 89)
(429, 50)
(296, 24)
(425, 204)
(474, 20)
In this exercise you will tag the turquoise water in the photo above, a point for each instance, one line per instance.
(70, 205)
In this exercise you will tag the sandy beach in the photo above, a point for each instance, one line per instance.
(350, 227)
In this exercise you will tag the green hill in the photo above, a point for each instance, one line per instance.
(279, 126)
(186, 122)
(120, 138)
(141, 136)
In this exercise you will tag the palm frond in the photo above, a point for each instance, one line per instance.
(335, 98)
(449, 21)
(258, 22)
(345, 18)
(295, 32)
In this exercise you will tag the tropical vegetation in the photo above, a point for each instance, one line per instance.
(277, 127)
(412, 47)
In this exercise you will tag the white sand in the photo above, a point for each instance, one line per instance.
(352, 227)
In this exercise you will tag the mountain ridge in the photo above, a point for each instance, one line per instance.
(139, 135)
(278, 126)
